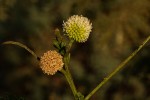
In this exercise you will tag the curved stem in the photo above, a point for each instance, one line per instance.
(23, 46)
(118, 68)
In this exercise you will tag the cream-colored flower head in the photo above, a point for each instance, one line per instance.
(77, 28)
(51, 62)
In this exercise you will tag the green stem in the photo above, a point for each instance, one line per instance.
(70, 81)
(118, 68)
(69, 45)
(21, 45)
(66, 71)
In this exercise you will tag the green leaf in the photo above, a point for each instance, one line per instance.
(56, 44)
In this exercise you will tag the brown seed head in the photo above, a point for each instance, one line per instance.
(51, 62)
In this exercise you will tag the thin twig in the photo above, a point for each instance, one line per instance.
(118, 68)
(21, 45)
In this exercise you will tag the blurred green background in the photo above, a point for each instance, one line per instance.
(119, 27)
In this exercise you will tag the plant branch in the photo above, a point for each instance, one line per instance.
(66, 71)
(21, 45)
(70, 81)
(118, 68)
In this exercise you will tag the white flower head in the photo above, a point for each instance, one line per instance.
(77, 28)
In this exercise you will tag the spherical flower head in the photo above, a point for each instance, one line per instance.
(77, 28)
(51, 62)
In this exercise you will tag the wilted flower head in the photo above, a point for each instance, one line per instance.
(51, 62)
(77, 28)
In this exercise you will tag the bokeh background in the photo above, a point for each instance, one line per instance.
(119, 27)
